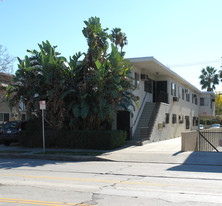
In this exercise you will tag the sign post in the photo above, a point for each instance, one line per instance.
(43, 107)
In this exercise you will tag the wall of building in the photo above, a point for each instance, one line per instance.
(179, 109)
(208, 109)
(7, 114)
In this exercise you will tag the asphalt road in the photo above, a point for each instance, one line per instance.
(57, 183)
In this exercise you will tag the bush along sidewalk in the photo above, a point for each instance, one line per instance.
(76, 139)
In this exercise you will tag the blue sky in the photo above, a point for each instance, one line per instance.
(185, 35)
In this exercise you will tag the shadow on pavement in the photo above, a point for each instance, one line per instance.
(201, 162)
(6, 163)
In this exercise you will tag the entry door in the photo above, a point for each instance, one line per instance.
(123, 122)
(160, 91)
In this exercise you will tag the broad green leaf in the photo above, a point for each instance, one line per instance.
(98, 64)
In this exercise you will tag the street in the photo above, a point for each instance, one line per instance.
(47, 182)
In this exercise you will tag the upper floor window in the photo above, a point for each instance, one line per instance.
(204, 102)
(173, 89)
(137, 80)
(187, 92)
(148, 87)
(194, 99)
(183, 92)
(179, 92)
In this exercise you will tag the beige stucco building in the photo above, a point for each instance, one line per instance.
(168, 103)
(7, 113)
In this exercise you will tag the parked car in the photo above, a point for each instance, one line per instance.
(201, 126)
(10, 132)
(215, 126)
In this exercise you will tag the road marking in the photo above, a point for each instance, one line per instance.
(107, 181)
(88, 180)
(37, 202)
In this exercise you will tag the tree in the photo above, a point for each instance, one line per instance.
(6, 61)
(79, 94)
(40, 77)
(218, 104)
(103, 81)
(209, 78)
(119, 38)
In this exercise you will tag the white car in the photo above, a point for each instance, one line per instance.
(201, 126)
(215, 126)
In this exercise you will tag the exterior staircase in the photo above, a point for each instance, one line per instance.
(146, 122)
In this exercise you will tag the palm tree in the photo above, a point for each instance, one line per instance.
(209, 78)
(119, 38)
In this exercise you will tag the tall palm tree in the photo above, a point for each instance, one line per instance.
(119, 38)
(209, 78)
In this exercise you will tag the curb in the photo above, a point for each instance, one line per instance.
(53, 157)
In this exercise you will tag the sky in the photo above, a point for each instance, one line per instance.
(184, 35)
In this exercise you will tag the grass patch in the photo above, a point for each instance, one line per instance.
(71, 153)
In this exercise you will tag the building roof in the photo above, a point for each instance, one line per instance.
(154, 67)
(5, 79)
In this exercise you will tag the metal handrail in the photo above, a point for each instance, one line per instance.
(139, 110)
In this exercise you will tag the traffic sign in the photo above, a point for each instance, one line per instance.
(42, 105)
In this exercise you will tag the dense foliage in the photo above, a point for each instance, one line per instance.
(79, 94)
(209, 78)
(78, 139)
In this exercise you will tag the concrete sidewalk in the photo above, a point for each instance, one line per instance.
(168, 152)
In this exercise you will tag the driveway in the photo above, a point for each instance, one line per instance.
(168, 151)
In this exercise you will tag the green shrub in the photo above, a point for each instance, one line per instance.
(81, 139)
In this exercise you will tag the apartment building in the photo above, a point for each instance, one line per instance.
(168, 103)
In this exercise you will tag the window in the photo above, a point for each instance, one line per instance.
(187, 119)
(167, 118)
(204, 102)
(174, 118)
(148, 87)
(211, 103)
(194, 99)
(179, 91)
(173, 89)
(4, 117)
(183, 92)
(180, 118)
(187, 92)
(196, 102)
(201, 101)
(195, 121)
(137, 80)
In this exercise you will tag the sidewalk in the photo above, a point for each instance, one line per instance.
(168, 152)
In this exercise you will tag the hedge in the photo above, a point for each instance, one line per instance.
(80, 139)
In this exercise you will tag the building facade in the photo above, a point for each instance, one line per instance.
(168, 104)
(7, 113)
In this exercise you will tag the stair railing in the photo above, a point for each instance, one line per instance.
(140, 109)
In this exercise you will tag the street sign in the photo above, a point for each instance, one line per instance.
(42, 105)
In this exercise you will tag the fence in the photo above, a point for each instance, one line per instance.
(203, 140)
